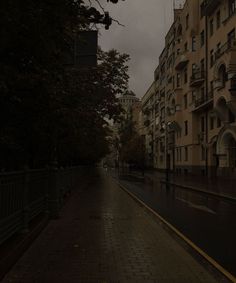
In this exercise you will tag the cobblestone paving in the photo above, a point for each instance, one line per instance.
(104, 236)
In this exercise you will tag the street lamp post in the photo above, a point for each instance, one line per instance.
(165, 128)
(167, 157)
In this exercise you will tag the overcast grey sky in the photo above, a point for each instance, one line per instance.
(146, 23)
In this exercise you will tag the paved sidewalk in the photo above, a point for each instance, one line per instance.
(103, 236)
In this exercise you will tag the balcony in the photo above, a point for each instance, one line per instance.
(181, 61)
(229, 46)
(197, 78)
(211, 5)
(203, 102)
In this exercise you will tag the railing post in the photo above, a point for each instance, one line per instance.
(61, 186)
(26, 200)
(47, 188)
(53, 192)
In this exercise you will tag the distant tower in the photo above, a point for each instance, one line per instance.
(127, 100)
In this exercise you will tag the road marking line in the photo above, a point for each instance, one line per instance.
(187, 240)
(196, 206)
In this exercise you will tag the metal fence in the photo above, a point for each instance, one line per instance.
(25, 195)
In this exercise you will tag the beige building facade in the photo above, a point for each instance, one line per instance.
(195, 91)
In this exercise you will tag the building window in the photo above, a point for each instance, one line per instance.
(202, 38)
(222, 75)
(218, 122)
(185, 101)
(218, 19)
(193, 43)
(194, 69)
(185, 76)
(202, 9)
(202, 93)
(211, 58)
(231, 117)
(193, 95)
(231, 37)
(211, 27)
(186, 128)
(180, 154)
(232, 6)
(186, 154)
(177, 51)
(203, 153)
(179, 31)
(178, 79)
(202, 65)
(187, 21)
(211, 87)
(212, 122)
(218, 48)
(186, 46)
(202, 124)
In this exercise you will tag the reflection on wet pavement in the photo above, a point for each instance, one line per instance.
(207, 221)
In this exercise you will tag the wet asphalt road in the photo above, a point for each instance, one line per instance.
(208, 222)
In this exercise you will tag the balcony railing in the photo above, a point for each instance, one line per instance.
(224, 48)
(203, 101)
(197, 78)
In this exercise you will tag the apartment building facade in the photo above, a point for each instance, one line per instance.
(195, 94)
(147, 128)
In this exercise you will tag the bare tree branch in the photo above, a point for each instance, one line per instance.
(118, 22)
(99, 4)
(102, 8)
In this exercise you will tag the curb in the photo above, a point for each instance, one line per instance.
(194, 189)
(223, 272)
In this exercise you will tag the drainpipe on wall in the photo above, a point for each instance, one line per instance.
(206, 86)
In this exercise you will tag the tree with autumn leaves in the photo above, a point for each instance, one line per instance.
(49, 110)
